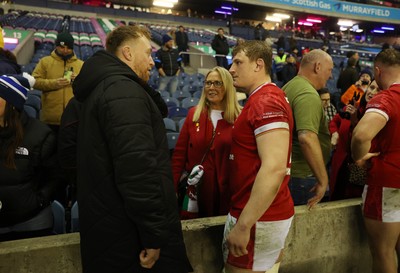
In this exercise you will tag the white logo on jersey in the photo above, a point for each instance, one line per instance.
(21, 151)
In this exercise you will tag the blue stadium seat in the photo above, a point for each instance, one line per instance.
(176, 113)
(170, 125)
(181, 94)
(189, 102)
(197, 94)
(58, 217)
(30, 111)
(35, 92)
(171, 102)
(172, 139)
(180, 123)
(34, 101)
(165, 94)
(75, 217)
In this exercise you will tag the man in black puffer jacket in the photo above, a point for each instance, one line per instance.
(128, 211)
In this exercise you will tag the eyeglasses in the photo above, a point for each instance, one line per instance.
(215, 83)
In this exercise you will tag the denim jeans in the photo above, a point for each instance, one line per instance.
(300, 189)
(168, 81)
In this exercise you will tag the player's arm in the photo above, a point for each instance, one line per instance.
(367, 128)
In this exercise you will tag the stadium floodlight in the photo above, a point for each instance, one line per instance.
(229, 8)
(164, 4)
(281, 15)
(223, 12)
(313, 20)
(273, 19)
(345, 23)
(387, 28)
(378, 31)
(305, 23)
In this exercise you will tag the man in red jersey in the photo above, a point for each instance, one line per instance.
(261, 206)
(376, 139)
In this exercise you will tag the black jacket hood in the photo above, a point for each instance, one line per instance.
(102, 65)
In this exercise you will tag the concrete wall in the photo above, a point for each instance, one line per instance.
(25, 50)
(328, 239)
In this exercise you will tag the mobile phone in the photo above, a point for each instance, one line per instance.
(68, 74)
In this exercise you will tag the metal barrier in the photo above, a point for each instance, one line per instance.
(201, 60)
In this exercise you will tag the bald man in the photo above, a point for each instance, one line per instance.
(311, 138)
(380, 126)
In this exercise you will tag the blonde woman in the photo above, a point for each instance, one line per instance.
(214, 115)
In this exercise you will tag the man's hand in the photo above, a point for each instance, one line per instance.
(148, 257)
(237, 241)
(319, 190)
(62, 82)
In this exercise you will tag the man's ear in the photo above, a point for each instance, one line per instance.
(377, 71)
(259, 64)
(317, 67)
(127, 53)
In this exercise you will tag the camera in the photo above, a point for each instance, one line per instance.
(346, 115)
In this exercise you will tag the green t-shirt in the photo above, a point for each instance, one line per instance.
(308, 115)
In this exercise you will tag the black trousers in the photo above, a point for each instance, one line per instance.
(222, 61)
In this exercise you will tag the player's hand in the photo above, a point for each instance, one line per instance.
(237, 241)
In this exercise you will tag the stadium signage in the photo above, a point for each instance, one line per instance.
(339, 8)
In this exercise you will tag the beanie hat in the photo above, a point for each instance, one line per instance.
(14, 90)
(367, 71)
(65, 39)
(166, 38)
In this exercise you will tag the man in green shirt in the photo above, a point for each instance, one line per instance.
(311, 138)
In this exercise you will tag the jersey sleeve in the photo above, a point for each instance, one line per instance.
(269, 113)
(381, 105)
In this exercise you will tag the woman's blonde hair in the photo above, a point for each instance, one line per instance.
(231, 106)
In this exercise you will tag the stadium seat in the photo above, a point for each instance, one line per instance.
(35, 92)
(181, 94)
(34, 101)
(176, 113)
(197, 94)
(180, 123)
(58, 217)
(75, 217)
(172, 139)
(171, 102)
(189, 102)
(31, 111)
(170, 125)
(165, 94)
